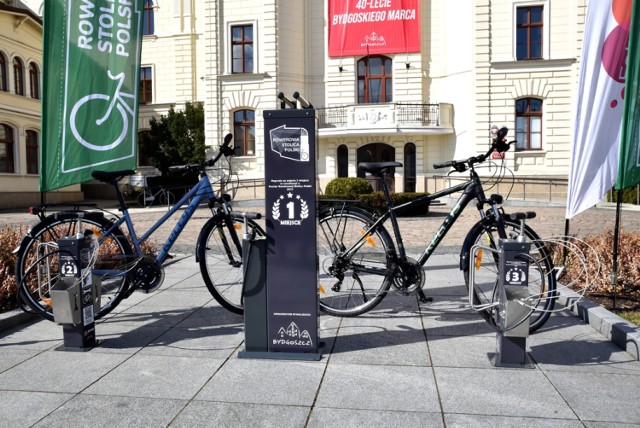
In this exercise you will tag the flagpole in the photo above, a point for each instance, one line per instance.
(616, 244)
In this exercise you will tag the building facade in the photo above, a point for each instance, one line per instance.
(479, 63)
(472, 64)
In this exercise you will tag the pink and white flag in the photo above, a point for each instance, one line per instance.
(593, 167)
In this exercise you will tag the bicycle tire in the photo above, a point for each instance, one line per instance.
(486, 274)
(222, 271)
(352, 286)
(114, 254)
(145, 199)
(167, 198)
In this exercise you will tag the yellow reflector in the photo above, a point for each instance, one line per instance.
(321, 288)
(478, 259)
(368, 238)
(237, 226)
(46, 301)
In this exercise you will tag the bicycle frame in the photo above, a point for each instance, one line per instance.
(201, 191)
(471, 189)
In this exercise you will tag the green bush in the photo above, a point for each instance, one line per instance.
(629, 196)
(377, 202)
(348, 187)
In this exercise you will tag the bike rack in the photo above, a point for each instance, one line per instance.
(512, 316)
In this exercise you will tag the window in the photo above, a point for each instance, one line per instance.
(410, 167)
(34, 81)
(374, 80)
(32, 152)
(148, 24)
(242, 49)
(529, 33)
(18, 76)
(343, 161)
(529, 124)
(146, 86)
(6, 148)
(244, 129)
(3, 73)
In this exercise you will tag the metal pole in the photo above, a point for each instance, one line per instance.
(616, 244)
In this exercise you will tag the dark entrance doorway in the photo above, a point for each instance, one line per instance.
(377, 152)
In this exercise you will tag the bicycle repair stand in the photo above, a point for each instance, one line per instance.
(512, 321)
(75, 297)
(254, 290)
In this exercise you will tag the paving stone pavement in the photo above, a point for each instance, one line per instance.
(169, 358)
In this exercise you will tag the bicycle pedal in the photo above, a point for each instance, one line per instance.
(426, 299)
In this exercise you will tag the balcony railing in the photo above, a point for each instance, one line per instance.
(392, 115)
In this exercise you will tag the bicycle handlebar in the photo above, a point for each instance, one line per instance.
(499, 144)
(246, 214)
(225, 149)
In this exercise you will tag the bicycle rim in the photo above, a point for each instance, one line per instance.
(112, 258)
(354, 284)
(541, 282)
(221, 261)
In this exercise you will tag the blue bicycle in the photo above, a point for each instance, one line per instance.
(119, 259)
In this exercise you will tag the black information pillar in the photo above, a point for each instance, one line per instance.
(290, 199)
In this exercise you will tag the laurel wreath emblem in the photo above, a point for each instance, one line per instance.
(275, 210)
(304, 209)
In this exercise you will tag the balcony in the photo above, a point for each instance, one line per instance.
(390, 118)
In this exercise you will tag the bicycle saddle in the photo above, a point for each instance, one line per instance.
(111, 177)
(376, 168)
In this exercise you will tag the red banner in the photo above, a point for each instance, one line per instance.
(372, 27)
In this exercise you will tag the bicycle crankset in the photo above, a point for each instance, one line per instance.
(408, 276)
(148, 275)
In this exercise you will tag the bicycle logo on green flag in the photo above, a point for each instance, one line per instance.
(90, 102)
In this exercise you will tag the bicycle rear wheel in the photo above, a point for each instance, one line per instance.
(353, 283)
(113, 256)
(542, 280)
(221, 260)
(145, 198)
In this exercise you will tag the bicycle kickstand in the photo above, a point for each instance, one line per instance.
(422, 297)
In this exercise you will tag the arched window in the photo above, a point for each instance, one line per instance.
(4, 83)
(34, 81)
(32, 152)
(148, 23)
(244, 130)
(6, 148)
(375, 80)
(410, 167)
(18, 76)
(529, 124)
(343, 161)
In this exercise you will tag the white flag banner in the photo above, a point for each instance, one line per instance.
(593, 167)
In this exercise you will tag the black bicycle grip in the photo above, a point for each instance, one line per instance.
(444, 164)
(246, 214)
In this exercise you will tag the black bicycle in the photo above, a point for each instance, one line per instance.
(119, 259)
(359, 262)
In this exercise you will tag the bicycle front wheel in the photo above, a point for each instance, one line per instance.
(220, 259)
(110, 260)
(167, 198)
(541, 281)
(353, 280)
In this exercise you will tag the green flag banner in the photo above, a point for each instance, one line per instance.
(91, 58)
(629, 169)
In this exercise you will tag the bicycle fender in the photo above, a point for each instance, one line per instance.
(468, 243)
(62, 214)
